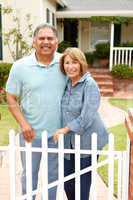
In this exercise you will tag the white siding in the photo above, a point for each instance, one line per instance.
(37, 11)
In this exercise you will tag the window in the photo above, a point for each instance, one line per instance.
(53, 19)
(99, 33)
(48, 15)
(1, 52)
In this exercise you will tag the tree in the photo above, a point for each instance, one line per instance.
(14, 38)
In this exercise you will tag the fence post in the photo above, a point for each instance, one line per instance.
(111, 167)
(28, 151)
(44, 166)
(129, 126)
(77, 167)
(12, 165)
(61, 167)
(94, 165)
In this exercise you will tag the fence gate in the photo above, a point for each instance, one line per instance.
(110, 159)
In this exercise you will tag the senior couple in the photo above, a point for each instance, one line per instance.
(56, 94)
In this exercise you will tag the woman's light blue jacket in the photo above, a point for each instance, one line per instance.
(80, 113)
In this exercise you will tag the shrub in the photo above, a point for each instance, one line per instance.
(126, 44)
(102, 50)
(122, 71)
(63, 45)
(4, 72)
(89, 57)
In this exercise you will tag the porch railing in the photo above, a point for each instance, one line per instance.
(121, 55)
(110, 154)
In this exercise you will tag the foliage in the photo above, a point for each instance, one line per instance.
(4, 72)
(114, 19)
(2, 96)
(126, 44)
(63, 45)
(122, 71)
(102, 50)
(14, 37)
(124, 104)
(89, 57)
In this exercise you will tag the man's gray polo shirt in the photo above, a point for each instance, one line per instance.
(40, 89)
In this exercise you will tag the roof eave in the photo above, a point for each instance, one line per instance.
(86, 14)
(62, 3)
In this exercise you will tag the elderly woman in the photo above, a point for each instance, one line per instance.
(80, 104)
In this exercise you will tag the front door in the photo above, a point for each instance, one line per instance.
(71, 31)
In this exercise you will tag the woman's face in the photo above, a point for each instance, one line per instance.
(72, 68)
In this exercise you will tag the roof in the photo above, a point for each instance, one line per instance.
(61, 2)
(86, 8)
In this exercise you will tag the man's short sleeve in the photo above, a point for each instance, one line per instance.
(13, 85)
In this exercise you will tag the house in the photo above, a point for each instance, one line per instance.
(41, 11)
(74, 21)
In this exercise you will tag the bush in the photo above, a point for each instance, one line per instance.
(126, 44)
(63, 45)
(4, 72)
(122, 71)
(102, 50)
(89, 57)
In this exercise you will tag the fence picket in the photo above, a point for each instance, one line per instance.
(94, 166)
(77, 167)
(44, 166)
(12, 166)
(119, 192)
(61, 168)
(111, 167)
(29, 171)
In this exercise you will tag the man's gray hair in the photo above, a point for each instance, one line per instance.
(41, 26)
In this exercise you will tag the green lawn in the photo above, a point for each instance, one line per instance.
(120, 138)
(7, 122)
(122, 103)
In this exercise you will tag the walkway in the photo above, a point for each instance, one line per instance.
(111, 116)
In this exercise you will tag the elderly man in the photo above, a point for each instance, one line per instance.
(38, 83)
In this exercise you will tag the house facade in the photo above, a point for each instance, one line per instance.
(73, 21)
(40, 11)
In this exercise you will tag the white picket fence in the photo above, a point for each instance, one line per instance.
(122, 55)
(111, 155)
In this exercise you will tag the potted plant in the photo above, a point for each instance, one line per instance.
(102, 54)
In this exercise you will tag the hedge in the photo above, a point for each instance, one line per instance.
(122, 71)
(4, 72)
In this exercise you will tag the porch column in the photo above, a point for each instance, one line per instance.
(129, 125)
(111, 46)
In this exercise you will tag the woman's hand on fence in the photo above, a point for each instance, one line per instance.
(56, 134)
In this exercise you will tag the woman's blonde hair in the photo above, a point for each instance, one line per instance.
(77, 55)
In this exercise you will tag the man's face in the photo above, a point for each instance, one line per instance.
(45, 42)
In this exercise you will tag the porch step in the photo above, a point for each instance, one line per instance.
(104, 80)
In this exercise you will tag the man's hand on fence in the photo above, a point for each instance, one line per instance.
(28, 132)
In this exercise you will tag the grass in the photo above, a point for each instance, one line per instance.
(7, 122)
(124, 104)
(120, 138)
